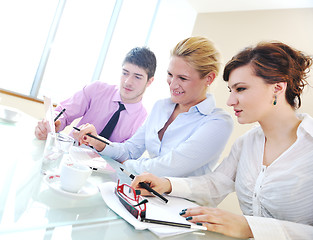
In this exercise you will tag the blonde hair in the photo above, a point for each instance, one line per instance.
(200, 53)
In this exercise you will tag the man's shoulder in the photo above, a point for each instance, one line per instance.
(102, 85)
(99, 89)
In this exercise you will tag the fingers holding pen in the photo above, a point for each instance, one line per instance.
(80, 134)
(87, 134)
(146, 178)
(161, 185)
(57, 125)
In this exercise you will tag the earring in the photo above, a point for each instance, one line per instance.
(275, 100)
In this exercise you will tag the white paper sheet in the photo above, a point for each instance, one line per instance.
(49, 112)
(156, 209)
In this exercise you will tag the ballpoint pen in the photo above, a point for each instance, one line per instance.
(145, 186)
(59, 115)
(173, 224)
(90, 135)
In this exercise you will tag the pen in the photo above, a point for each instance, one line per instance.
(90, 135)
(59, 115)
(174, 224)
(145, 186)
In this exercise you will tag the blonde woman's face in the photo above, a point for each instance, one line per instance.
(186, 86)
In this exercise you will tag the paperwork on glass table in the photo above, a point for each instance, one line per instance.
(156, 209)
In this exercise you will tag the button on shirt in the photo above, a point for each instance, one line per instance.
(277, 200)
(96, 103)
(191, 145)
(256, 204)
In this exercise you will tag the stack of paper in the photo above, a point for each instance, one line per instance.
(156, 209)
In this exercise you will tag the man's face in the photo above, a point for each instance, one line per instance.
(134, 81)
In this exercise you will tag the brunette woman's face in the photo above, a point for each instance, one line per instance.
(250, 96)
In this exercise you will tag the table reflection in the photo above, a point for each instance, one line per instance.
(26, 202)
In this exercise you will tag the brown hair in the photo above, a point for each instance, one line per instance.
(144, 58)
(200, 53)
(275, 62)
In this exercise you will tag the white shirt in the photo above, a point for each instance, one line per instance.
(191, 145)
(277, 200)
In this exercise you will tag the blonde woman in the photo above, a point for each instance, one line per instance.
(185, 134)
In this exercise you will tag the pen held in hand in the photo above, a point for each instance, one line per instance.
(146, 186)
(59, 115)
(90, 135)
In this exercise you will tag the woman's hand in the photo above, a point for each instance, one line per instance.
(218, 220)
(161, 185)
(82, 137)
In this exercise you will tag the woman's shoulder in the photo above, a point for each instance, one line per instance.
(220, 113)
(222, 116)
(163, 103)
(255, 132)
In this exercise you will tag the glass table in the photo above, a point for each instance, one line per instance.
(30, 208)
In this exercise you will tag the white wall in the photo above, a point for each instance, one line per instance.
(232, 31)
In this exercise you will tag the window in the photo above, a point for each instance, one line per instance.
(131, 31)
(76, 47)
(24, 29)
(79, 41)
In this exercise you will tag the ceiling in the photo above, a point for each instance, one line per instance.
(247, 5)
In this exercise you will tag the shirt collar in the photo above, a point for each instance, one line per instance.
(130, 107)
(306, 123)
(205, 107)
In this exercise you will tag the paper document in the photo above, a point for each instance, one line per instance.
(156, 209)
(49, 112)
(90, 158)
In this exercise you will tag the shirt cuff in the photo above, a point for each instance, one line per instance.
(180, 187)
(110, 151)
(265, 228)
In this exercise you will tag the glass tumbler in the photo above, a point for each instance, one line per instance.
(57, 145)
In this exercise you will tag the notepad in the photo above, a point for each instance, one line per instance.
(156, 209)
(90, 158)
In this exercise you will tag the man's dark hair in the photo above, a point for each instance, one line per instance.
(142, 57)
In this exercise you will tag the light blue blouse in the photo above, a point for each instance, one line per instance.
(190, 146)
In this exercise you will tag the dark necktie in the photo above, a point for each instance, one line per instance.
(108, 129)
